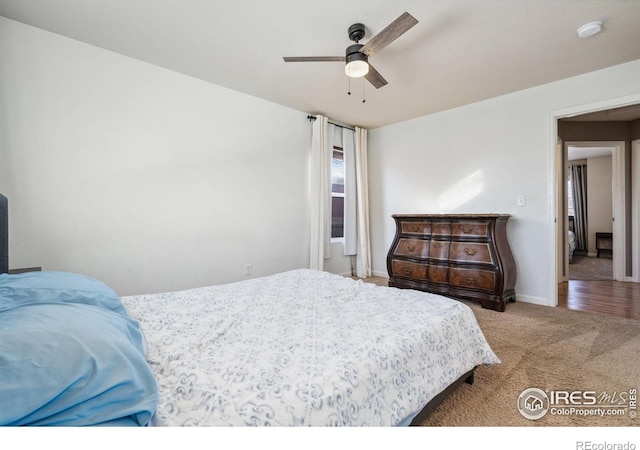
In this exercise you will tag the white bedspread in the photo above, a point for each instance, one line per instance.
(572, 244)
(304, 348)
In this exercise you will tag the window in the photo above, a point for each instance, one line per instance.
(337, 193)
(570, 196)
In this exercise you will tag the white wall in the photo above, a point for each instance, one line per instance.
(599, 199)
(145, 178)
(153, 181)
(478, 159)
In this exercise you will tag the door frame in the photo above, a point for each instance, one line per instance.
(552, 193)
(635, 211)
(618, 201)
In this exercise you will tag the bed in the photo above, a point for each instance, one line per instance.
(298, 348)
(304, 347)
(571, 238)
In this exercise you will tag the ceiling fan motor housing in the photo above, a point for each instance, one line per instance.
(356, 32)
(353, 53)
(354, 50)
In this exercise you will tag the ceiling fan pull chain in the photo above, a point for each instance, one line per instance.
(363, 99)
(349, 85)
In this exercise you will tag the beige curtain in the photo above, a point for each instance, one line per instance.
(579, 189)
(363, 258)
(320, 192)
(350, 193)
(357, 241)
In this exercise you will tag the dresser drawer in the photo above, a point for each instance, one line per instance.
(472, 278)
(420, 228)
(439, 250)
(414, 248)
(470, 229)
(406, 269)
(438, 274)
(441, 229)
(470, 252)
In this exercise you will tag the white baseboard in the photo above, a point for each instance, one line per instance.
(377, 273)
(531, 299)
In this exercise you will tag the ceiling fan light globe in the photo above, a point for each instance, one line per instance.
(356, 69)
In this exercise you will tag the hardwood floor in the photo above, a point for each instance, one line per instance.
(604, 296)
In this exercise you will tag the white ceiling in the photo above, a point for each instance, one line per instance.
(621, 114)
(460, 52)
(585, 152)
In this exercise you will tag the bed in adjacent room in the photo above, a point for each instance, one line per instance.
(571, 237)
(298, 348)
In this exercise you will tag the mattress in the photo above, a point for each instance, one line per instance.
(303, 348)
(572, 244)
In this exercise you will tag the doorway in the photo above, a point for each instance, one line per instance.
(627, 183)
(589, 171)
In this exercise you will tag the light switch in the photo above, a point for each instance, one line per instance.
(521, 200)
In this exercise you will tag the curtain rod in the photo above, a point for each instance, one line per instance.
(310, 117)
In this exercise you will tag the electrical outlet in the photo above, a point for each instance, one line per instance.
(247, 269)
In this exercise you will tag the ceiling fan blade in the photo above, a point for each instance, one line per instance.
(392, 32)
(313, 58)
(374, 77)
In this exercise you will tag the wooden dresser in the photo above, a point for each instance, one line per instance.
(456, 255)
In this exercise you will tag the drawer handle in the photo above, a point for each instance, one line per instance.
(471, 280)
(467, 228)
(414, 228)
(411, 247)
(407, 271)
(437, 245)
(470, 251)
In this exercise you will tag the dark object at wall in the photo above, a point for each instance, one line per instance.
(4, 234)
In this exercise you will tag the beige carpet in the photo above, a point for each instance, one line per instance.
(551, 349)
(590, 268)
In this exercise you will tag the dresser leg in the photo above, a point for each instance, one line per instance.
(494, 304)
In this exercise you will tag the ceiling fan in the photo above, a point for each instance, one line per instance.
(357, 55)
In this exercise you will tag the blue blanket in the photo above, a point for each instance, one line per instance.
(70, 354)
